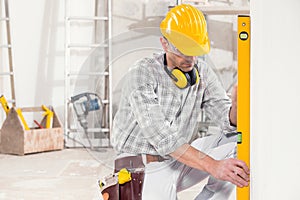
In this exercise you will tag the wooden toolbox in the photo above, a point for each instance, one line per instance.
(16, 140)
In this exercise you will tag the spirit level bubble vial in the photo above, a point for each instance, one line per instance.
(243, 98)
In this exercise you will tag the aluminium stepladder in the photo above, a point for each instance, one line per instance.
(72, 73)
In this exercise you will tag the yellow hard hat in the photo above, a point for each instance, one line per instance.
(185, 27)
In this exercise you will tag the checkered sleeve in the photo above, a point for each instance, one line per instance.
(216, 102)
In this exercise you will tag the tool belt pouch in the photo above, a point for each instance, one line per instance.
(111, 192)
(131, 190)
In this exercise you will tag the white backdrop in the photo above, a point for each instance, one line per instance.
(275, 99)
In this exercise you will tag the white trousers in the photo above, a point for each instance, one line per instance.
(164, 179)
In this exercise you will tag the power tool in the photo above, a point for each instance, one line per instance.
(83, 104)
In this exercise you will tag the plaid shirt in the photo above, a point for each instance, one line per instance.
(156, 117)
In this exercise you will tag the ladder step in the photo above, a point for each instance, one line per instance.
(88, 74)
(224, 10)
(6, 73)
(89, 130)
(105, 101)
(86, 18)
(4, 19)
(11, 100)
(5, 46)
(86, 45)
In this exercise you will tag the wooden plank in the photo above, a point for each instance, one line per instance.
(12, 140)
(40, 140)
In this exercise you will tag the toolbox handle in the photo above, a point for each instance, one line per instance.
(33, 109)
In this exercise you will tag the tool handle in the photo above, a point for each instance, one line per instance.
(4, 104)
(26, 127)
(49, 114)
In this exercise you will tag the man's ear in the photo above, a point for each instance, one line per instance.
(164, 43)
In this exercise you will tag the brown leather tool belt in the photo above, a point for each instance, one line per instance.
(154, 158)
(131, 190)
(133, 162)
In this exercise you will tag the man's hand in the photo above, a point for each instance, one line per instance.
(232, 170)
(233, 109)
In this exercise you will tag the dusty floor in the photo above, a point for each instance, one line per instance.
(60, 175)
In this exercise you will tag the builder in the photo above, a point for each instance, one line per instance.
(155, 125)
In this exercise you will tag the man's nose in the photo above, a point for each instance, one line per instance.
(190, 58)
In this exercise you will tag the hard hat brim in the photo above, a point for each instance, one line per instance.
(187, 45)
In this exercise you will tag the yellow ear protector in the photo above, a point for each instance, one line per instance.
(182, 79)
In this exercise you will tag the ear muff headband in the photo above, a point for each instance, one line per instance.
(194, 75)
(197, 75)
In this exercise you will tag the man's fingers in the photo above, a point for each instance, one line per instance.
(238, 181)
(242, 170)
(241, 173)
(244, 166)
(241, 182)
(235, 171)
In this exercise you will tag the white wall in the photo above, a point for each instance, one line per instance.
(275, 99)
(37, 28)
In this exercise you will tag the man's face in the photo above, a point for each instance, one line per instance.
(177, 59)
(186, 63)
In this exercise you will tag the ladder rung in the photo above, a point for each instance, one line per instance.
(86, 45)
(6, 73)
(88, 74)
(105, 101)
(5, 46)
(86, 18)
(90, 130)
(4, 19)
(224, 10)
(11, 100)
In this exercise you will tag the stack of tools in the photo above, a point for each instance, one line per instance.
(18, 138)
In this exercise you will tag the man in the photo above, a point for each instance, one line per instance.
(161, 101)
